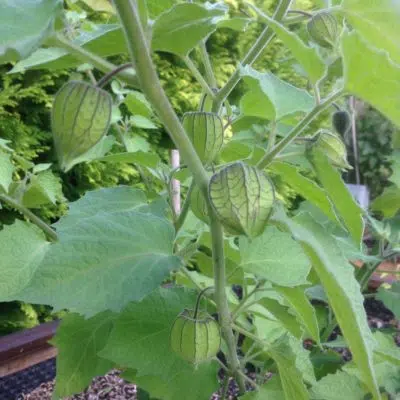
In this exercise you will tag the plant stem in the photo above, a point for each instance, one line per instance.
(221, 299)
(98, 62)
(50, 232)
(251, 56)
(196, 73)
(298, 129)
(106, 78)
(184, 211)
(205, 58)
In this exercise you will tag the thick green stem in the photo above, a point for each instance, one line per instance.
(151, 87)
(222, 301)
(252, 55)
(31, 216)
(98, 62)
(298, 129)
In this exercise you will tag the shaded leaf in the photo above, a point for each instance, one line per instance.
(371, 75)
(391, 298)
(341, 287)
(6, 170)
(388, 203)
(272, 390)
(78, 364)
(271, 98)
(24, 26)
(22, 250)
(181, 28)
(276, 257)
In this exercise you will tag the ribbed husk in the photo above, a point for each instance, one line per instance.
(198, 205)
(195, 340)
(206, 132)
(242, 196)
(323, 29)
(81, 116)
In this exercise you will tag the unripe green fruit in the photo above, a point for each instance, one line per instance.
(80, 117)
(242, 197)
(195, 338)
(341, 122)
(206, 132)
(198, 205)
(332, 146)
(323, 29)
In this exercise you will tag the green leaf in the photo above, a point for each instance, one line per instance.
(275, 256)
(271, 98)
(238, 24)
(337, 386)
(234, 151)
(156, 7)
(391, 298)
(100, 5)
(346, 206)
(140, 340)
(79, 272)
(341, 287)
(305, 312)
(22, 249)
(395, 166)
(150, 160)
(137, 104)
(305, 187)
(78, 340)
(272, 390)
(387, 348)
(6, 170)
(388, 203)
(139, 121)
(371, 75)
(307, 56)
(186, 384)
(104, 40)
(181, 28)
(291, 377)
(43, 188)
(24, 26)
(377, 22)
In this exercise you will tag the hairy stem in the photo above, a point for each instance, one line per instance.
(107, 77)
(51, 233)
(252, 55)
(205, 58)
(298, 129)
(185, 209)
(196, 73)
(98, 62)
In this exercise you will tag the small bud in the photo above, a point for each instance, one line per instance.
(242, 197)
(323, 29)
(206, 132)
(332, 146)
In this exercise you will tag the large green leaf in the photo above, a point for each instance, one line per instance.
(338, 386)
(181, 28)
(271, 98)
(305, 187)
(78, 341)
(346, 206)
(341, 287)
(23, 247)
(6, 170)
(140, 340)
(303, 309)
(290, 375)
(391, 298)
(272, 390)
(378, 22)
(275, 256)
(388, 203)
(371, 75)
(24, 26)
(104, 258)
(104, 40)
(185, 384)
(307, 56)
